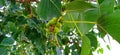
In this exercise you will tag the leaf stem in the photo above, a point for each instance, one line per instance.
(87, 22)
(102, 28)
(76, 25)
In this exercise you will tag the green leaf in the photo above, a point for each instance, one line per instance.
(78, 6)
(110, 24)
(107, 6)
(88, 16)
(64, 40)
(85, 20)
(100, 1)
(31, 23)
(2, 2)
(49, 8)
(91, 53)
(93, 40)
(100, 51)
(22, 20)
(67, 26)
(101, 33)
(3, 50)
(66, 50)
(118, 2)
(8, 41)
(10, 26)
(91, 15)
(85, 46)
(108, 47)
(76, 49)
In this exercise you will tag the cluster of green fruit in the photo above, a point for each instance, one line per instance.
(54, 25)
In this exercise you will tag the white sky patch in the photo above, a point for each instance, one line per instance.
(75, 50)
(0, 20)
(8, 35)
(34, 4)
(96, 30)
(114, 46)
(70, 45)
(1, 9)
(15, 42)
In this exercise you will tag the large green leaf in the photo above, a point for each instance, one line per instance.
(88, 17)
(91, 15)
(7, 41)
(67, 26)
(78, 6)
(110, 24)
(3, 50)
(93, 40)
(85, 46)
(84, 21)
(107, 6)
(49, 8)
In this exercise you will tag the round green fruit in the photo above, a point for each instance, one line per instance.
(53, 20)
(59, 25)
(56, 30)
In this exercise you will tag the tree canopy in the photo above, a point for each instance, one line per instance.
(56, 27)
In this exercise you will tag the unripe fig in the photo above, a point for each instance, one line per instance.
(48, 24)
(59, 25)
(51, 22)
(56, 30)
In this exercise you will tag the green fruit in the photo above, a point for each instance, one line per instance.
(47, 25)
(47, 30)
(53, 20)
(56, 30)
(59, 25)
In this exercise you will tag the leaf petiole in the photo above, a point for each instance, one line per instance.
(87, 22)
